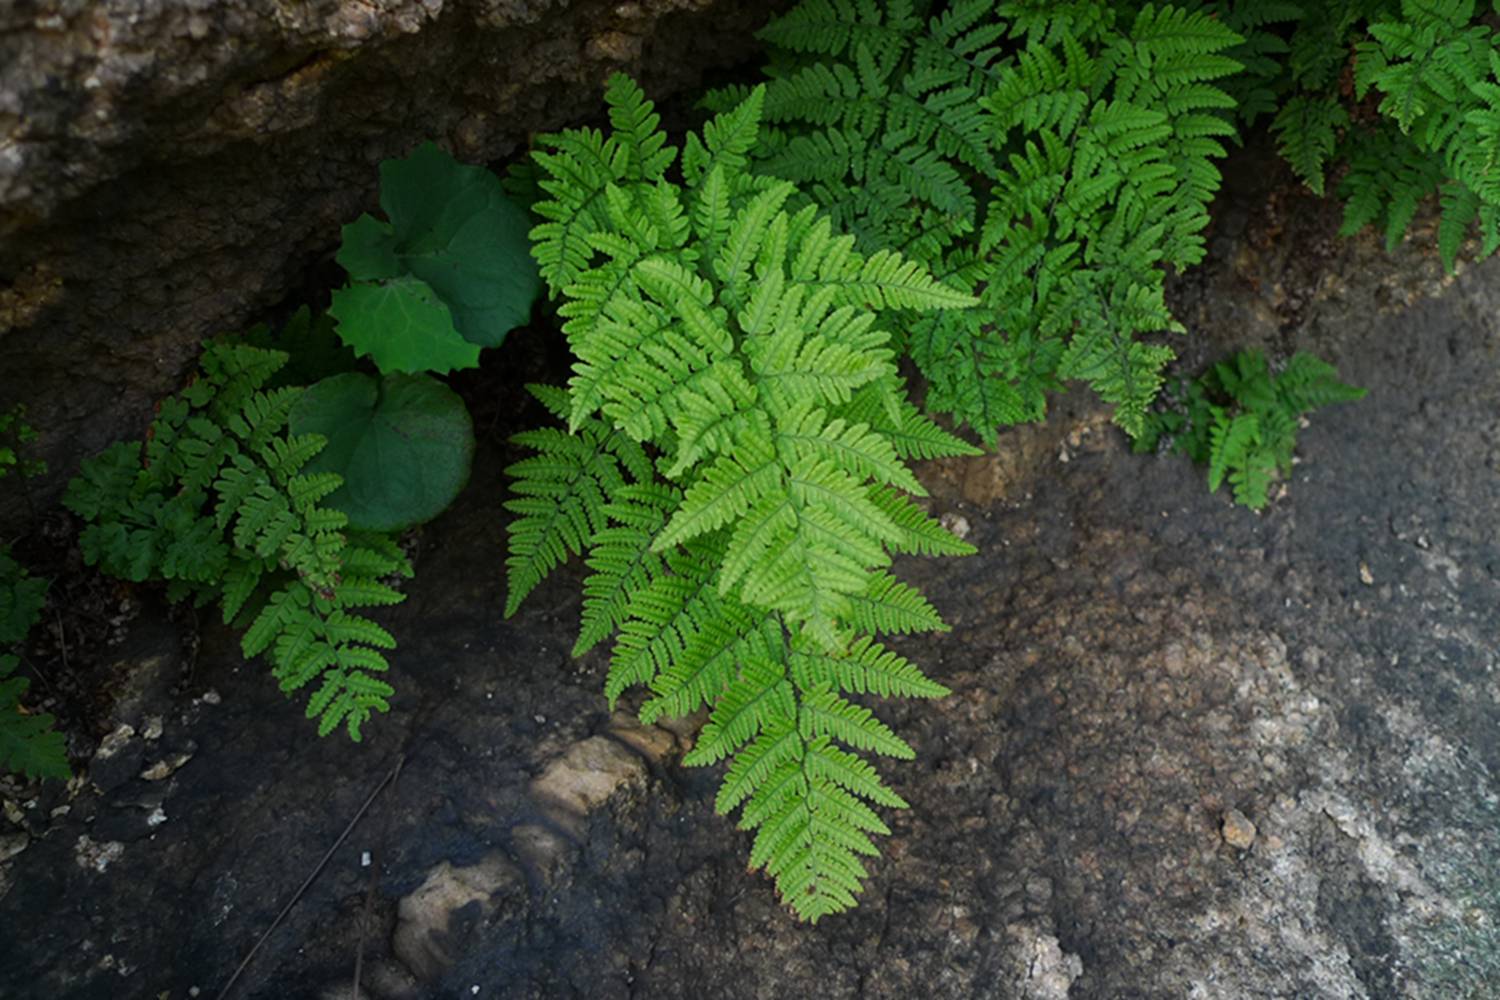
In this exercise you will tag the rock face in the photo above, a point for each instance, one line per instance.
(170, 169)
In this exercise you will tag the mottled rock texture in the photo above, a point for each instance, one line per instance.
(171, 169)
(1141, 672)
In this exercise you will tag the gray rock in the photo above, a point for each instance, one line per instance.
(224, 142)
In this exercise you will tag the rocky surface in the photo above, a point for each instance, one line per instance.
(1191, 751)
(171, 169)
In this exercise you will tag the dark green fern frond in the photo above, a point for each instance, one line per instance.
(834, 27)
(1262, 24)
(561, 496)
(29, 742)
(1389, 177)
(1307, 133)
(1042, 140)
(221, 510)
(1241, 419)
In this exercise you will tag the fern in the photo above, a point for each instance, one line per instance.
(217, 505)
(733, 467)
(1260, 85)
(1307, 129)
(1241, 420)
(1415, 111)
(1049, 162)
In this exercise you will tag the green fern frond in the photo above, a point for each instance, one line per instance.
(223, 512)
(888, 606)
(622, 559)
(636, 126)
(1231, 440)
(1242, 420)
(911, 434)
(1306, 130)
(744, 354)
(562, 492)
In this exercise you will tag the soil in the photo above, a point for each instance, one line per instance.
(1191, 751)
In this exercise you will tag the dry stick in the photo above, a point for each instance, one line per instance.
(375, 856)
(400, 759)
(62, 638)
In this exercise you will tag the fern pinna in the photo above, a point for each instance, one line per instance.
(733, 469)
(216, 505)
(1045, 157)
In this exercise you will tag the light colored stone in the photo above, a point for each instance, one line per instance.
(685, 728)
(651, 741)
(1237, 830)
(422, 940)
(586, 775)
(12, 844)
(115, 741)
(97, 856)
(1046, 971)
(166, 767)
(956, 525)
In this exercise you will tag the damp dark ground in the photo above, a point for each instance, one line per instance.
(1139, 670)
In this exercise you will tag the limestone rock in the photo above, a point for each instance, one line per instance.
(429, 934)
(585, 776)
(652, 742)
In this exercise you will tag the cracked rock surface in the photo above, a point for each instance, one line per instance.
(171, 169)
(1191, 751)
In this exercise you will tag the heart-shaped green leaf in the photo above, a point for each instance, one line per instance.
(402, 326)
(454, 227)
(403, 444)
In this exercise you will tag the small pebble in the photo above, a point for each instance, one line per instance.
(956, 525)
(1237, 830)
(165, 768)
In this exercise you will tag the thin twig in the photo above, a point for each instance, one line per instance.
(62, 638)
(40, 675)
(375, 856)
(400, 759)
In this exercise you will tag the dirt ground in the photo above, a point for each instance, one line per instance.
(1191, 751)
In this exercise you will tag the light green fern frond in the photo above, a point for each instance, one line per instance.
(734, 460)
